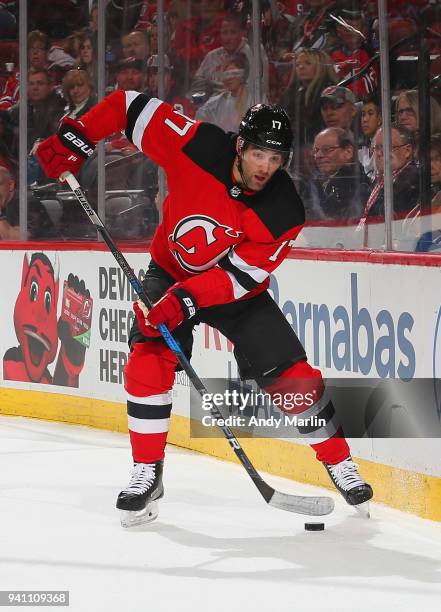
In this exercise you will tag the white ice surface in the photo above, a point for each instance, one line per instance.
(216, 545)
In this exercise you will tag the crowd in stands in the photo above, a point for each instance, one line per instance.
(317, 59)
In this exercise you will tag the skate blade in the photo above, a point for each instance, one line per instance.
(141, 517)
(363, 509)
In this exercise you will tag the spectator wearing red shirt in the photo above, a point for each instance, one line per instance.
(196, 36)
(233, 38)
(38, 47)
(37, 56)
(147, 14)
(352, 53)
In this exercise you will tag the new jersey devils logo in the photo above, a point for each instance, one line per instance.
(198, 242)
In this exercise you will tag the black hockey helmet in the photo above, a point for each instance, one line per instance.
(267, 127)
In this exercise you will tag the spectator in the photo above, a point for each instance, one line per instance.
(6, 141)
(38, 47)
(351, 54)
(406, 111)
(136, 44)
(340, 188)
(37, 58)
(337, 105)
(177, 10)
(64, 55)
(45, 108)
(277, 31)
(11, 91)
(197, 36)
(93, 18)
(87, 59)
(72, 45)
(130, 75)
(435, 169)
(371, 120)
(227, 108)
(147, 14)
(79, 93)
(8, 231)
(171, 95)
(313, 72)
(404, 172)
(232, 36)
(39, 223)
(431, 240)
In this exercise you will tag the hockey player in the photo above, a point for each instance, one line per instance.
(228, 220)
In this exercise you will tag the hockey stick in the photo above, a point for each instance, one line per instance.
(315, 506)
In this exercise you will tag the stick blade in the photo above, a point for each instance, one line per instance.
(312, 506)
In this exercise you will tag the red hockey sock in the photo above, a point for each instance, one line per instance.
(149, 379)
(303, 380)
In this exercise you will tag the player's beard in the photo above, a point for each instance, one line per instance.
(249, 182)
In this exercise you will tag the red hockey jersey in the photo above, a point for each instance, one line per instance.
(10, 94)
(220, 240)
(349, 63)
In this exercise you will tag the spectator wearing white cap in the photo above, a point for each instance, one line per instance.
(227, 108)
(232, 35)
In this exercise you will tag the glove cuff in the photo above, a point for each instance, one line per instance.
(187, 301)
(75, 140)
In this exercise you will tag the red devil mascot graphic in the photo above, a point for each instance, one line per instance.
(38, 331)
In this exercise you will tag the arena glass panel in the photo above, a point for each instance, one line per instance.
(193, 30)
(9, 134)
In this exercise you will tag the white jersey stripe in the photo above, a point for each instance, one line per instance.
(148, 426)
(256, 273)
(130, 96)
(322, 434)
(151, 400)
(238, 290)
(143, 120)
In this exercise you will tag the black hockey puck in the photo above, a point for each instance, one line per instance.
(314, 526)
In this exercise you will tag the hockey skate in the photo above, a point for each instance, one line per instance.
(138, 502)
(349, 483)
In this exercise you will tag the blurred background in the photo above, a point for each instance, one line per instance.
(360, 81)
